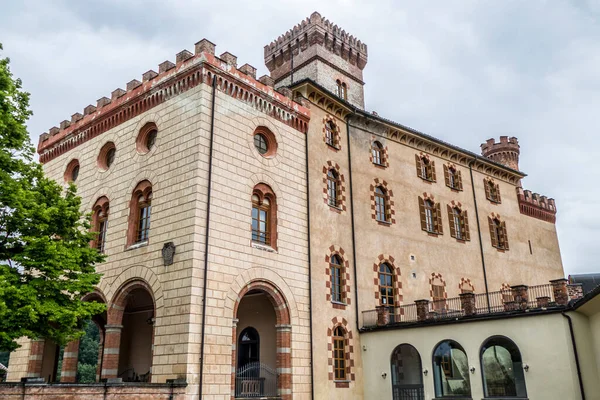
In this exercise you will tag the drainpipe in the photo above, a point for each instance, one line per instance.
(210, 159)
(310, 313)
(487, 292)
(352, 220)
(575, 354)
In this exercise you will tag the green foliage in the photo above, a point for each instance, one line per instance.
(88, 345)
(46, 262)
(4, 356)
(86, 373)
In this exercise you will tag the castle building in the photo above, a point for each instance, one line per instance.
(271, 238)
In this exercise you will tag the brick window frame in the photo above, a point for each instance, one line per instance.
(349, 349)
(270, 140)
(438, 299)
(345, 275)
(100, 213)
(455, 211)
(492, 190)
(397, 281)
(103, 161)
(143, 188)
(436, 215)
(72, 171)
(141, 142)
(425, 167)
(498, 233)
(383, 154)
(341, 190)
(389, 202)
(454, 184)
(465, 286)
(264, 191)
(330, 124)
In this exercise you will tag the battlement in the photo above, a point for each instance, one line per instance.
(307, 26)
(536, 205)
(157, 87)
(505, 152)
(320, 50)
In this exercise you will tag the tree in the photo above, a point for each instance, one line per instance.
(46, 262)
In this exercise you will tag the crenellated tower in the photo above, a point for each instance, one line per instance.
(322, 51)
(505, 152)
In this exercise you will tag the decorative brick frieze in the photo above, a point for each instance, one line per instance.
(536, 206)
(465, 286)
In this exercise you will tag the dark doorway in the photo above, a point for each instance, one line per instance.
(248, 347)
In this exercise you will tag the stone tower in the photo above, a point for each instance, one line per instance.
(322, 51)
(506, 152)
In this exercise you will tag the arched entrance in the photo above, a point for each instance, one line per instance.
(407, 377)
(261, 354)
(130, 334)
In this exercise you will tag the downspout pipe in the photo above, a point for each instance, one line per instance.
(352, 220)
(582, 391)
(487, 292)
(310, 310)
(208, 196)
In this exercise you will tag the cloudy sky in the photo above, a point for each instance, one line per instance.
(461, 70)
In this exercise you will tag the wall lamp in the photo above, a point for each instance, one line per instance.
(526, 367)
(384, 375)
(472, 369)
(425, 372)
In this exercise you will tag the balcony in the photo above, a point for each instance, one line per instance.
(514, 300)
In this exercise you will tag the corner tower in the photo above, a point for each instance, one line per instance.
(322, 51)
(506, 152)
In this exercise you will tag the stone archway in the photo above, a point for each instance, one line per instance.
(263, 294)
(129, 333)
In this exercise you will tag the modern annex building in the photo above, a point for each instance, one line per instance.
(271, 238)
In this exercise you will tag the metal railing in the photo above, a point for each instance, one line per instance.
(405, 313)
(255, 380)
(408, 392)
(446, 308)
(540, 296)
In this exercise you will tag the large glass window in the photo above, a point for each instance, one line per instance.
(407, 375)
(386, 285)
(502, 369)
(451, 370)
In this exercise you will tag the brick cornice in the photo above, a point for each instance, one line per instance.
(171, 82)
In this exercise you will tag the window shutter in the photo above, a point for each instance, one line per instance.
(492, 232)
(418, 162)
(438, 218)
(465, 221)
(432, 166)
(451, 220)
(422, 212)
(498, 199)
(504, 236)
(459, 180)
(488, 195)
(446, 175)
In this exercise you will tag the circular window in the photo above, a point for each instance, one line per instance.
(146, 139)
(72, 171)
(107, 156)
(264, 142)
(260, 142)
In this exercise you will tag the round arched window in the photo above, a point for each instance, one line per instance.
(107, 156)
(265, 142)
(72, 171)
(146, 139)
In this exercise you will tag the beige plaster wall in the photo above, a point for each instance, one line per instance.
(586, 330)
(543, 341)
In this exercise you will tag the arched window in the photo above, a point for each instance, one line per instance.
(386, 285)
(458, 227)
(333, 184)
(344, 93)
(331, 134)
(339, 354)
(377, 152)
(438, 293)
(264, 212)
(502, 368)
(453, 177)
(429, 218)
(100, 222)
(248, 347)
(498, 233)
(381, 207)
(140, 213)
(341, 89)
(407, 373)
(492, 191)
(425, 167)
(335, 270)
(451, 370)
